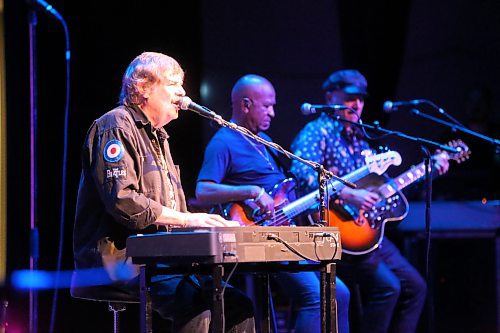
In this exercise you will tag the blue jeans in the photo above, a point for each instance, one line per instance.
(392, 291)
(304, 289)
(184, 299)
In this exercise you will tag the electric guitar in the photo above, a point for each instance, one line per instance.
(247, 212)
(363, 231)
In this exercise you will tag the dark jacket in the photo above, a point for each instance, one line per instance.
(123, 186)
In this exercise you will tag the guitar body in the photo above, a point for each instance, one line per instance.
(247, 212)
(286, 207)
(362, 231)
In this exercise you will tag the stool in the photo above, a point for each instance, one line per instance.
(115, 297)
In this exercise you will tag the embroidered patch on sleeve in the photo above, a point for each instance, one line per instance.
(119, 172)
(113, 151)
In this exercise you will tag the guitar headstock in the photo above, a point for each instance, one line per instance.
(463, 151)
(380, 162)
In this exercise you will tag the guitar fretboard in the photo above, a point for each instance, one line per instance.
(403, 180)
(302, 204)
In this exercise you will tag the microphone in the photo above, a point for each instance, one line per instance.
(308, 108)
(187, 104)
(394, 106)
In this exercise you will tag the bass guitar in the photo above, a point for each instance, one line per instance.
(247, 212)
(363, 231)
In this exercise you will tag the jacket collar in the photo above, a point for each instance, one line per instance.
(142, 121)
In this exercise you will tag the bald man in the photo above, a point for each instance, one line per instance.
(237, 168)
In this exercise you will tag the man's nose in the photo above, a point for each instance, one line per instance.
(271, 112)
(181, 91)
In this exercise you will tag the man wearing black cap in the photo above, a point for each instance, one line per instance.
(393, 292)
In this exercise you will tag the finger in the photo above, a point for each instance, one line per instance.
(269, 214)
(264, 210)
(218, 217)
(442, 168)
(270, 208)
(218, 221)
(370, 203)
(214, 223)
(366, 207)
(231, 223)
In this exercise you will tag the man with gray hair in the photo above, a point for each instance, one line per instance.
(130, 185)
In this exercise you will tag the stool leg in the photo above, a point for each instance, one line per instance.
(116, 308)
(116, 322)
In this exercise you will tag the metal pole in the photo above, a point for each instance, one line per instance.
(33, 295)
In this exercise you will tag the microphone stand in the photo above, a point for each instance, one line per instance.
(442, 111)
(34, 220)
(428, 186)
(34, 235)
(376, 127)
(428, 200)
(456, 127)
(323, 174)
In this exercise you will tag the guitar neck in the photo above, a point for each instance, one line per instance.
(403, 180)
(302, 204)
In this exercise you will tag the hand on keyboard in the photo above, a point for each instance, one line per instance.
(208, 220)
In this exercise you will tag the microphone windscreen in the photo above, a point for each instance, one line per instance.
(387, 106)
(184, 102)
(306, 109)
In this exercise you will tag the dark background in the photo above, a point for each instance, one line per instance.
(444, 51)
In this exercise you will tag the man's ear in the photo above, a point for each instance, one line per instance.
(143, 90)
(245, 104)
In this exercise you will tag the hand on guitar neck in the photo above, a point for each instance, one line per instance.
(365, 199)
(440, 162)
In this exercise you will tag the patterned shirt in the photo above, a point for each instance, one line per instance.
(326, 141)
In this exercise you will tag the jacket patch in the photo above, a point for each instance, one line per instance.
(113, 151)
(116, 172)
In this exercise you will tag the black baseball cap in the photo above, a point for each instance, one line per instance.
(351, 81)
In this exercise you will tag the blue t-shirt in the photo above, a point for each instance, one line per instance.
(233, 159)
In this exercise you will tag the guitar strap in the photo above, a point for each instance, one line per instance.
(282, 162)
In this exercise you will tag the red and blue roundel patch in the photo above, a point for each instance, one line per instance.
(113, 151)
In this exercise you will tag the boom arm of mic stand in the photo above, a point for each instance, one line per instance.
(316, 166)
(323, 174)
(456, 127)
(401, 135)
